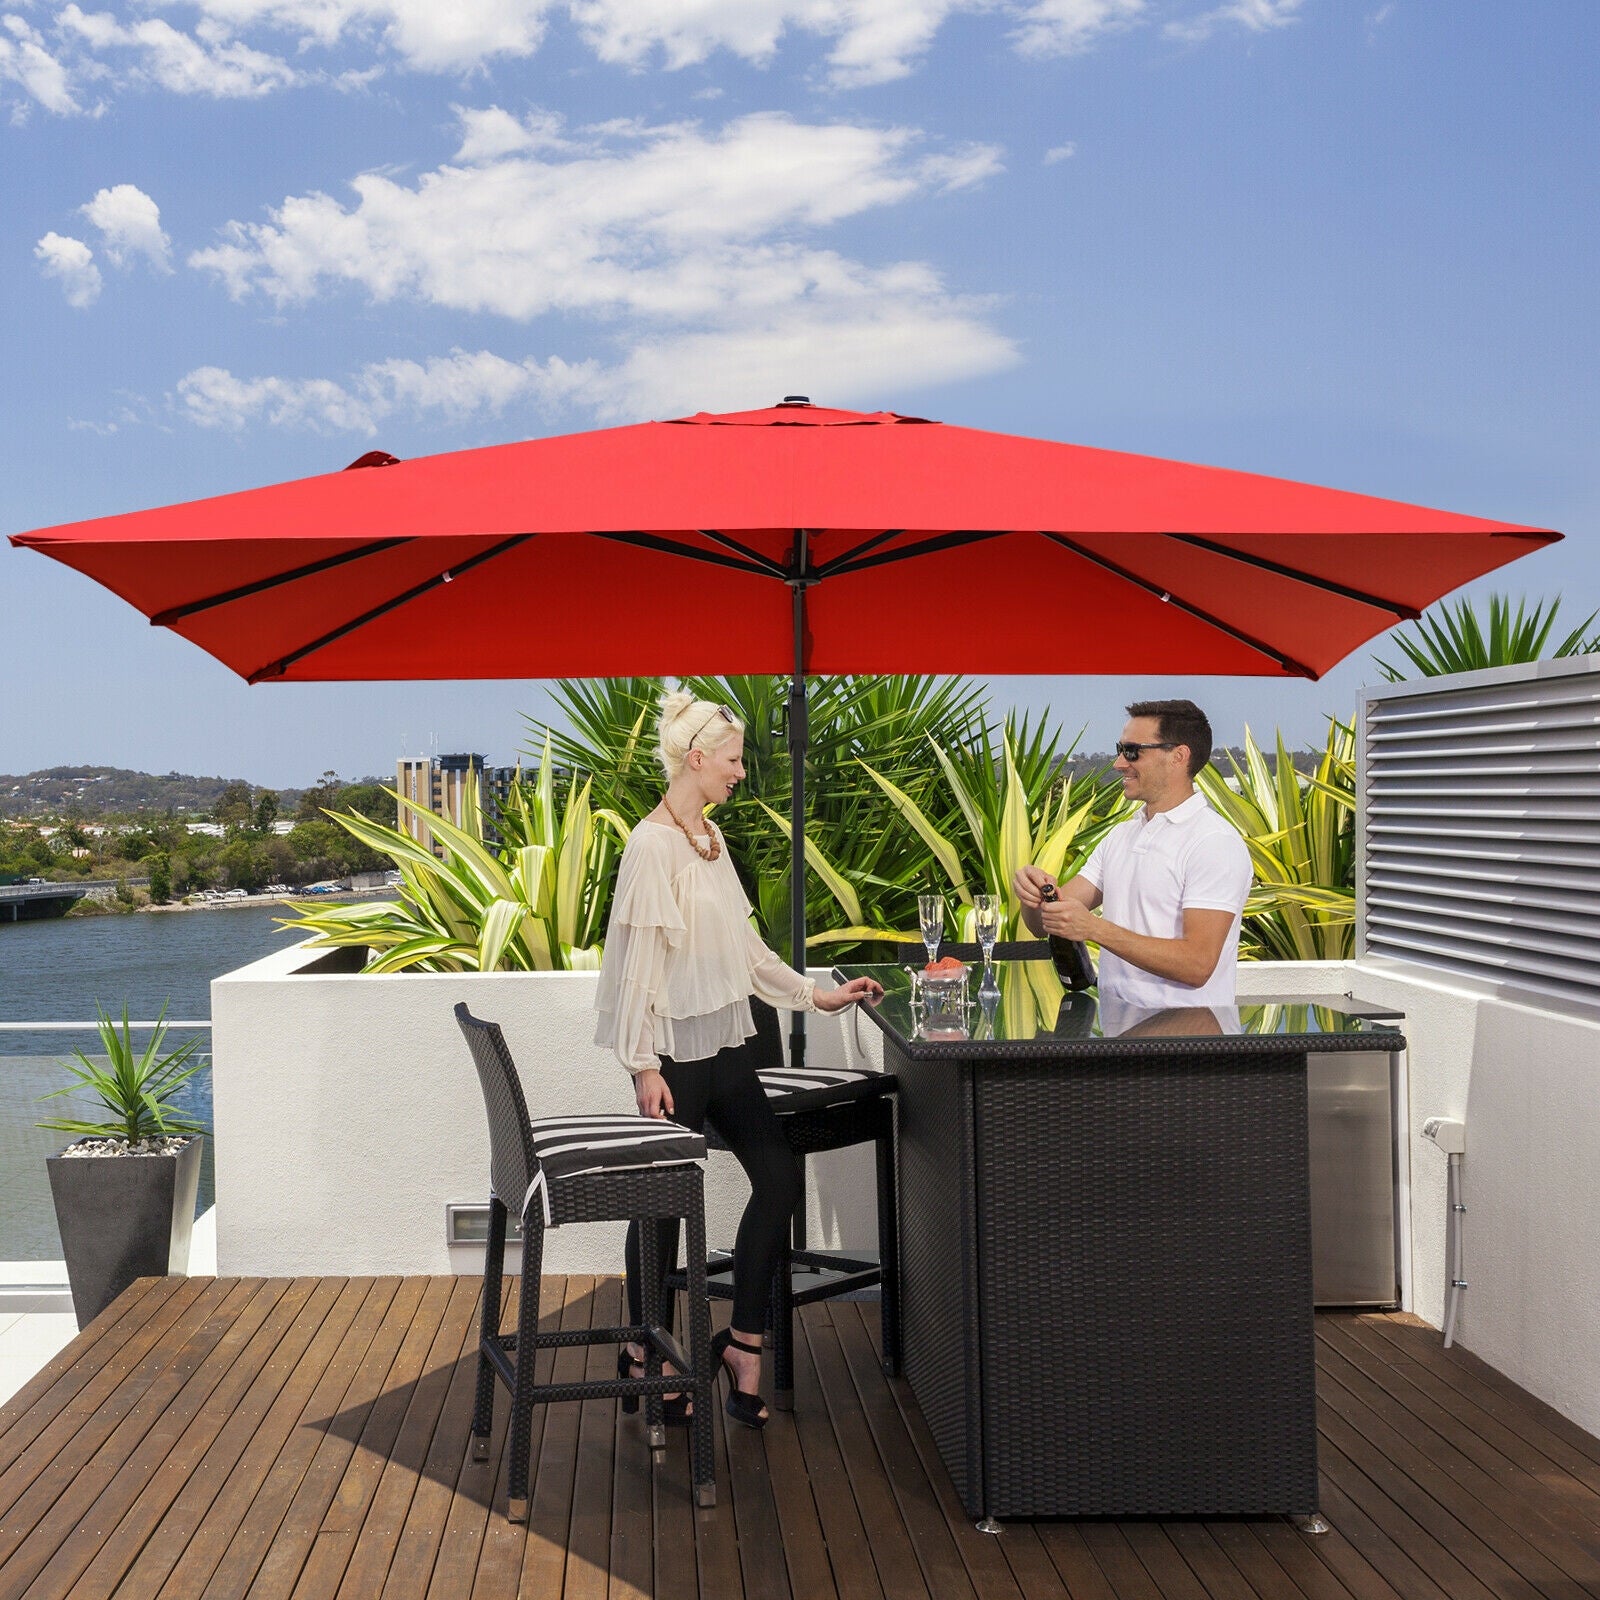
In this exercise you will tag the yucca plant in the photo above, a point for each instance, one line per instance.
(1009, 810)
(535, 902)
(136, 1089)
(888, 718)
(1457, 639)
(1300, 831)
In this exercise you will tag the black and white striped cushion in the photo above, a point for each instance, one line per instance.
(813, 1088)
(567, 1147)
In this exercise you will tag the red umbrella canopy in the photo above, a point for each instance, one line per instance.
(681, 546)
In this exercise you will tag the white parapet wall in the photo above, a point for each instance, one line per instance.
(348, 1116)
(1525, 1079)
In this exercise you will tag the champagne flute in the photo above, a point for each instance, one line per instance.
(930, 912)
(986, 925)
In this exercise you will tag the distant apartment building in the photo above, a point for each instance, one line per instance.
(437, 786)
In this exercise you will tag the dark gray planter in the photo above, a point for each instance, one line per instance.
(123, 1218)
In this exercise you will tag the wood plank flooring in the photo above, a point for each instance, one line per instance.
(307, 1439)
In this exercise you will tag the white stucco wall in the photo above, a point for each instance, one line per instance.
(348, 1115)
(1526, 1082)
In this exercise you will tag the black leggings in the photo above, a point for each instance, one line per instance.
(726, 1090)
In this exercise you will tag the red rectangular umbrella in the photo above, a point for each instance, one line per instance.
(801, 540)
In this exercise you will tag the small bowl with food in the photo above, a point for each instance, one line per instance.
(942, 989)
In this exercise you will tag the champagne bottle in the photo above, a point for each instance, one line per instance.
(1072, 962)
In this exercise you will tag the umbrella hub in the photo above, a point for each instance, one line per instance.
(796, 410)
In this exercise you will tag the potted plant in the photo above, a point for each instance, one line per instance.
(125, 1190)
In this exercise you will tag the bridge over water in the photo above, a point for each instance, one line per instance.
(30, 902)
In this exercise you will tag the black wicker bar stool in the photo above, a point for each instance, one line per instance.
(586, 1169)
(819, 1108)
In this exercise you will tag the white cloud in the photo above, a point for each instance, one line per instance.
(689, 250)
(1255, 16)
(208, 63)
(844, 353)
(428, 35)
(26, 62)
(1066, 27)
(873, 40)
(674, 222)
(1060, 152)
(71, 261)
(130, 225)
(456, 386)
(226, 56)
(488, 134)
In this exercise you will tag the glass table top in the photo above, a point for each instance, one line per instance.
(1024, 1002)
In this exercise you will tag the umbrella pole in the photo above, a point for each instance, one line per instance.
(799, 736)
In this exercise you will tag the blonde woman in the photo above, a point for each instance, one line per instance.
(681, 962)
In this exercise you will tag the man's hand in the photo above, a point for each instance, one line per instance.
(1070, 919)
(651, 1091)
(847, 994)
(1028, 881)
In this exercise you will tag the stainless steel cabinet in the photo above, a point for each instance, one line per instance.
(1351, 1105)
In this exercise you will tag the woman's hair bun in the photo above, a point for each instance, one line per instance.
(673, 705)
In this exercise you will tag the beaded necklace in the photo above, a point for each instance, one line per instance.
(704, 851)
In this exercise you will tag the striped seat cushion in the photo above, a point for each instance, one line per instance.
(814, 1088)
(568, 1147)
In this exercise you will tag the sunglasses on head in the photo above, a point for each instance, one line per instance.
(721, 711)
(1129, 751)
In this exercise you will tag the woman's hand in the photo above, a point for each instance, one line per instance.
(847, 994)
(651, 1091)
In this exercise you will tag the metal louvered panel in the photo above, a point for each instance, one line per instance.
(1479, 827)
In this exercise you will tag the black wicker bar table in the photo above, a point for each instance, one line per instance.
(1105, 1246)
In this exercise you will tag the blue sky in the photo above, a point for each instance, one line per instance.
(1348, 241)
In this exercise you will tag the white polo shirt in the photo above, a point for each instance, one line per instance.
(1149, 870)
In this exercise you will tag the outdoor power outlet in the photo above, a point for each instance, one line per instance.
(1448, 1133)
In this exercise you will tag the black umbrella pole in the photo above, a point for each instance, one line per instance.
(799, 736)
(799, 733)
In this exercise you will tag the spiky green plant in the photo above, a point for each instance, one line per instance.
(1300, 831)
(886, 718)
(136, 1088)
(1009, 810)
(535, 902)
(1456, 638)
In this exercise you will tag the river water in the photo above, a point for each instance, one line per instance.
(56, 971)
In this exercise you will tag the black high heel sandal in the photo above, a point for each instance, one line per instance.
(741, 1404)
(674, 1408)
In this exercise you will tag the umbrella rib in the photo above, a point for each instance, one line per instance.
(276, 669)
(925, 547)
(1399, 607)
(673, 547)
(772, 568)
(1299, 668)
(862, 548)
(165, 619)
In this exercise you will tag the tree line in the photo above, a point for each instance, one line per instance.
(249, 852)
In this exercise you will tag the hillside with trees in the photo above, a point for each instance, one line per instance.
(103, 822)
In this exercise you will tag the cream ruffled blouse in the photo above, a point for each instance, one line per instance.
(681, 958)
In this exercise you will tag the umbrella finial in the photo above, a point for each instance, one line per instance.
(796, 400)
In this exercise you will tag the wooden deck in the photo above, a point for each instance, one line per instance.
(307, 1438)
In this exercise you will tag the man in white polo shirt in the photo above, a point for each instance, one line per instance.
(1170, 883)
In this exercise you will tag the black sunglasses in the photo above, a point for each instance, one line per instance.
(721, 711)
(1129, 751)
